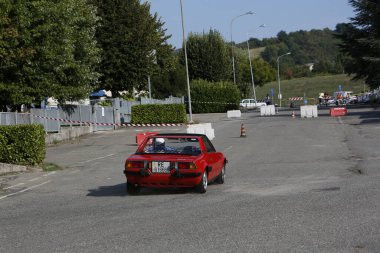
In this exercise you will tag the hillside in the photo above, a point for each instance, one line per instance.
(311, 86)
(256, 52)
(317, 47)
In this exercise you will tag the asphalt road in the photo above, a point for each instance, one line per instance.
(293, 185)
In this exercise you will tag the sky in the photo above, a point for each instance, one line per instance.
(277, 15)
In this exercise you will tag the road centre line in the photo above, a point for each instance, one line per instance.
(24, 190)
(13, 186)
(227, 148)
(98, 158)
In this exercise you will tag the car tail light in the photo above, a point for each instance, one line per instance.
(186, 166)
(135, 164)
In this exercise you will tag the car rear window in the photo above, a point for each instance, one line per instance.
(171, 145)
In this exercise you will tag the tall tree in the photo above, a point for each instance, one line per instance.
(134, 45)
(47, 48)
(361, 41)
(172, 83)
(208, 56)
(12, 54)
(262, 72)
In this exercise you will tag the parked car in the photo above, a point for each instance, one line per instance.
(353, 99)
(176, 160)
(249, 103)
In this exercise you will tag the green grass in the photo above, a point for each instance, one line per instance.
(310, 86)
(256, 52)
(50, 167)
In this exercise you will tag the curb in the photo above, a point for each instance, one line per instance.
(9, 168)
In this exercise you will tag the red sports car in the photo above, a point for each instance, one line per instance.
(175, 160)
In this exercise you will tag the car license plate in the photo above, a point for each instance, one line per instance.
(161, 167)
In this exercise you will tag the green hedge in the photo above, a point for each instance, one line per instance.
(155, 114)
(208, 97)
(22, 144)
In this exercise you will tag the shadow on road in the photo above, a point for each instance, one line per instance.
(108, 191)
(367, 117)
(120, 190)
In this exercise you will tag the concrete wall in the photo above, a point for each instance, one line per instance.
(68, 133)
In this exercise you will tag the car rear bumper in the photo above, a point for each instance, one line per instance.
(176, 179)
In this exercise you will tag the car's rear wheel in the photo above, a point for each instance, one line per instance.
(222, 175)
(202, 187)
(132, 189)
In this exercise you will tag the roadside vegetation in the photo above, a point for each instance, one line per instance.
(50, 167)
(22, 144)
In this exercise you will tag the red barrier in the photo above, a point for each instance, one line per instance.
(140, 137)
(338, 111)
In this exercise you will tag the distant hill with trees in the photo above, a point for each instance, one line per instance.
(316, 48)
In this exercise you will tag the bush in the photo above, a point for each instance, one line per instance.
(156, 113)
(22, 144)
(208, 97)
(3, 147)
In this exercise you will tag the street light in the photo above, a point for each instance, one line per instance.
(278, 76)
(250, 64)
(186, 64)
(232, 48)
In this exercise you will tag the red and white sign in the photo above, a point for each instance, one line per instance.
(296, 99)
(338, 111)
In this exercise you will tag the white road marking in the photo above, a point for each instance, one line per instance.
(13, 186)
(340, 120)
(74, 171)
(227, 148)
(34, 179)
(50, 173)
(99, 158)
(24, 190)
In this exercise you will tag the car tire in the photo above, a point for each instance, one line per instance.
(132, 189)
(202, 187)
(222, 175)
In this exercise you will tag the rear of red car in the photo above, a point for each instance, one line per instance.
(163, 170)
(180, 161)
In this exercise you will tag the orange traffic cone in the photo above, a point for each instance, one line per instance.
(242, 131)
(293, 115)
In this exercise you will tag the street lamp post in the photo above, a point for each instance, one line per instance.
(278, 76)
(186, 65)
(232, 48)
(152, 53)
(250, 65)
